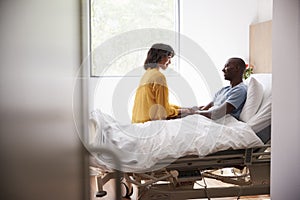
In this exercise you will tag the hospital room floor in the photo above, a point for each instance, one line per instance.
(110, 194)
(109, 187)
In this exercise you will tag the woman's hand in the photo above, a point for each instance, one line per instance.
(187, 111)
(195, 108)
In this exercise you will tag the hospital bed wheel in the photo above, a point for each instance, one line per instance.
(101, 193)
(126, 193)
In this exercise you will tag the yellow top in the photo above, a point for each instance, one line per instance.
(152, 98)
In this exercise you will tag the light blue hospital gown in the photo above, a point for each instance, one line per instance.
(236, 96)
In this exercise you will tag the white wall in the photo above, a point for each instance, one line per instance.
(265, 10)
(285, 162)
(221, 28)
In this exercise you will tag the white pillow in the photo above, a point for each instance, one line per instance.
(255, 94)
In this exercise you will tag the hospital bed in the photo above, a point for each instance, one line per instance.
(185, 177)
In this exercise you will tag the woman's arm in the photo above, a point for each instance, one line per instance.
(162, 98)
(208, 106)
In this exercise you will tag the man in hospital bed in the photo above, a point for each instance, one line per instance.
(229, 99)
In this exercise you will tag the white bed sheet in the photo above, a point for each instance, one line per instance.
(141, 146)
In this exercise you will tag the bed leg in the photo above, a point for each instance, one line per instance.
(99, 185)
(260, 174)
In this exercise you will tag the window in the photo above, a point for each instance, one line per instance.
(121, 32)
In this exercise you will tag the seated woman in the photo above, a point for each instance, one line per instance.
(152, 96)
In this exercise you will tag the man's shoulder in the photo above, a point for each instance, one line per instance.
(240, 87)
(239, 91)
(244, 88)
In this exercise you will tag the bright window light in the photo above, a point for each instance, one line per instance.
(110, 19)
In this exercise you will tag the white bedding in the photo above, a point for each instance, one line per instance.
(141, 146)
(263, 116)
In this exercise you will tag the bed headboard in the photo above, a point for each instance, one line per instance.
(261, 47)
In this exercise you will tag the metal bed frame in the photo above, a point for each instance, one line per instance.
(177, 180)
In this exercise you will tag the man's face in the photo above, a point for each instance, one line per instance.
(229, 70)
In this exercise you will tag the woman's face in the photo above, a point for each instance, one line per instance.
(165, 61)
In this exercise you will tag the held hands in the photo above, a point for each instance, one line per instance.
(197, 108)
(190, 111)
(183, 112)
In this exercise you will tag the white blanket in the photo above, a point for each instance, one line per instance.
(141, 146)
